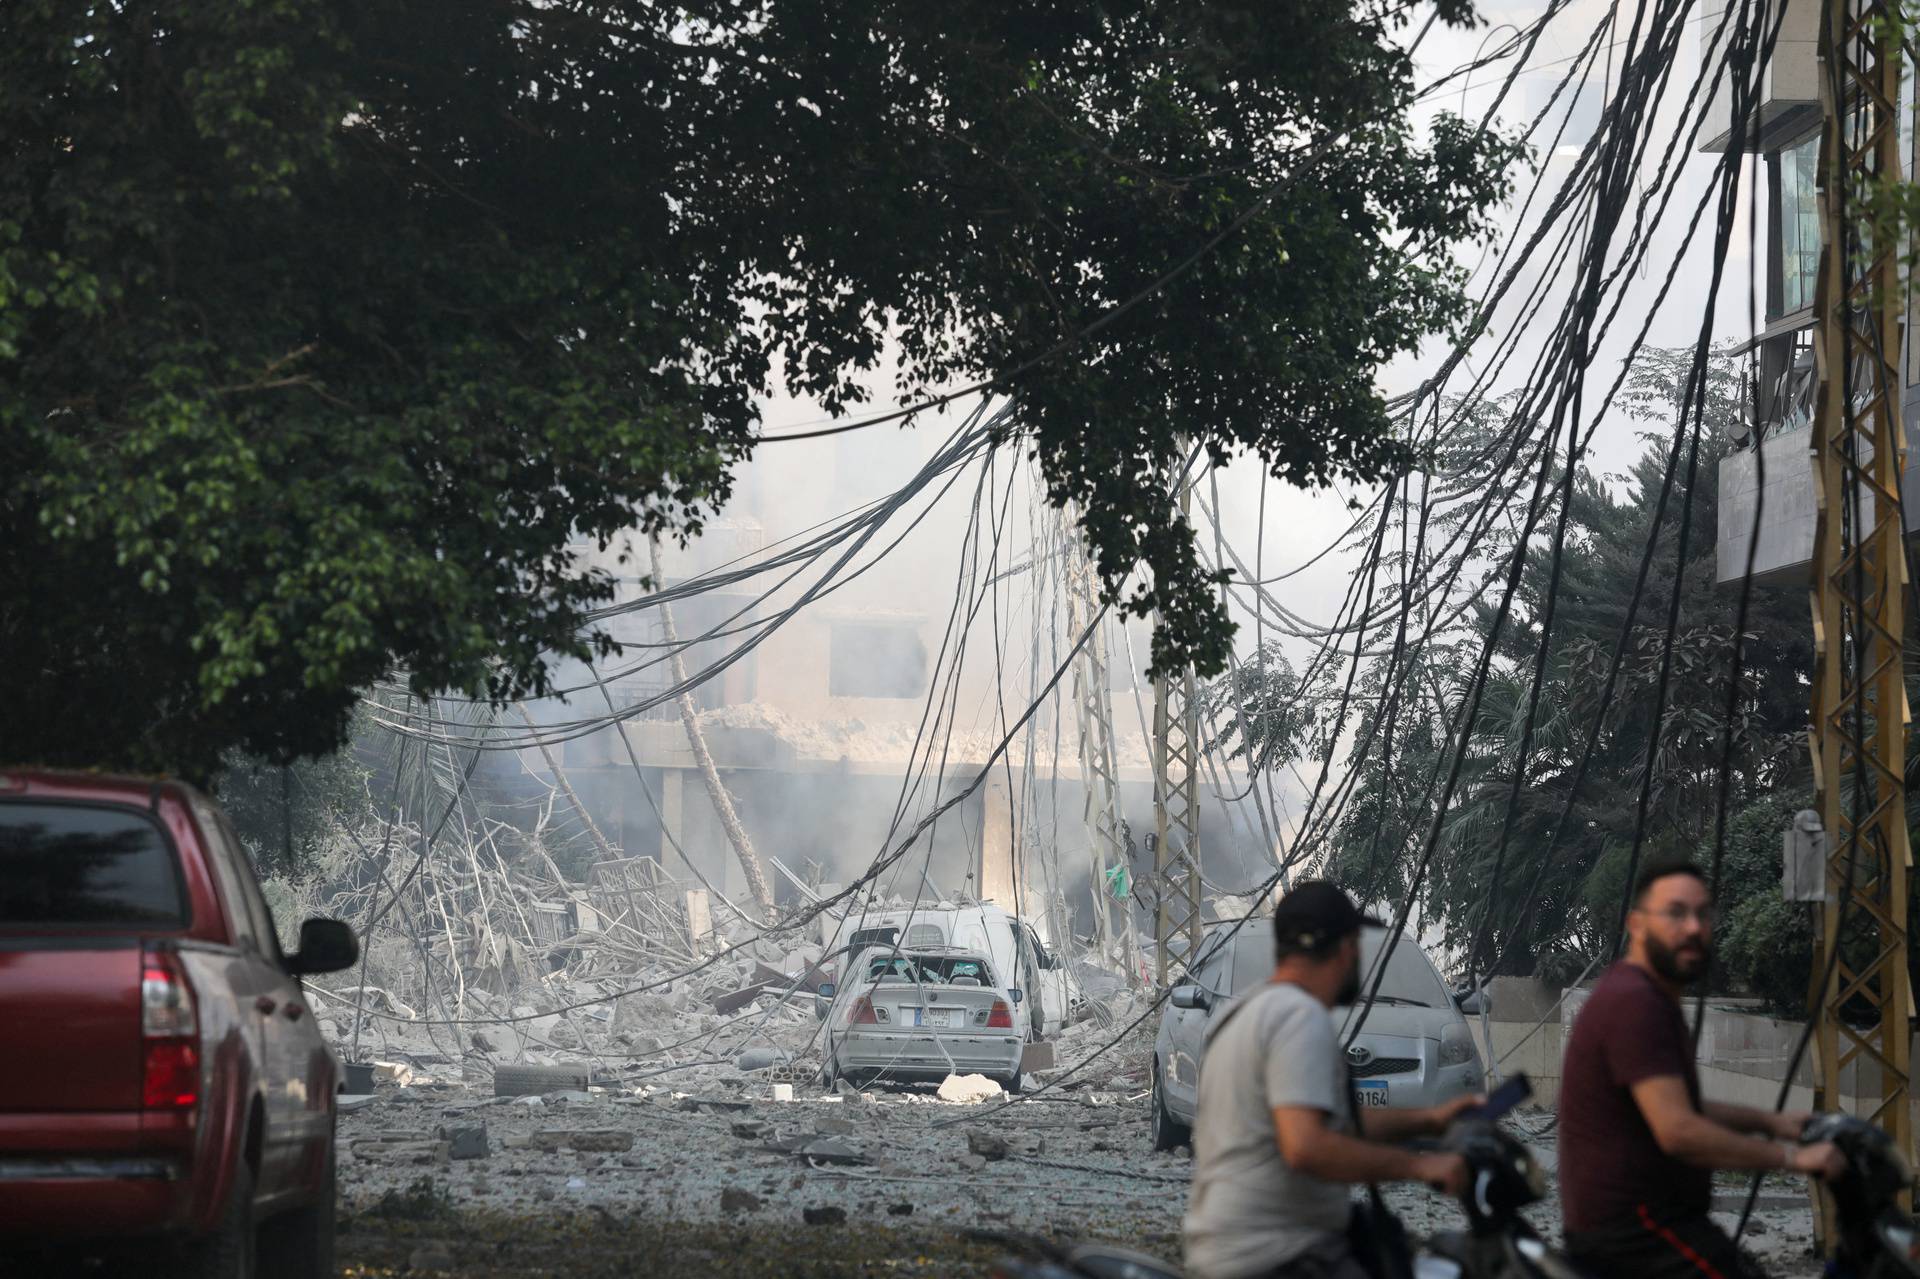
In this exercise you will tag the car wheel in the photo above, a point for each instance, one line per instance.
(228, 1252)
(299, 1244)
(1168, 1133)
(1011, 1083)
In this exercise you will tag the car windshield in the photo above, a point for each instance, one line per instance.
(83, 864)
(1410, 978)
(930, 970)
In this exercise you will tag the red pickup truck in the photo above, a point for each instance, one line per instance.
(162, 1081)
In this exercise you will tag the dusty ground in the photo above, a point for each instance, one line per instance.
(697, 1170)
(728, 1182)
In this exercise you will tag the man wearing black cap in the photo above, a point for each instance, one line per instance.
(1274, 1148)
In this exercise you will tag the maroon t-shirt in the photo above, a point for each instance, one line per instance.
(1629, 1030)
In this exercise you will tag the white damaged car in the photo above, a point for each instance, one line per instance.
(917, 1016)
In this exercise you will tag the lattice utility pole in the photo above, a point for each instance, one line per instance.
(1099, 772)
(1859, 710)
(1176, 807)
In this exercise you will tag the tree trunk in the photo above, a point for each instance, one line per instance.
(716, 789)
(607, 853)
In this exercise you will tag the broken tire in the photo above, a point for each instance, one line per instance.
(1168, 1133)
(299, 1244)
(228, 1252)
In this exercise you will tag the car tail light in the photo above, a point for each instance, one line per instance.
(170, 1035)
(1001, 1016)
(861, 1013)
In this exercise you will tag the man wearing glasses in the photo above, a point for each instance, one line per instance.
(1638, 1146)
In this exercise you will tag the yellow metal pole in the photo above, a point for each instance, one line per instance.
(1858, 699)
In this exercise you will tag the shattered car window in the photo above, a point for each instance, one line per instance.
(929, 970)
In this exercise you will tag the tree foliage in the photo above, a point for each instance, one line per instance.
(327, 326)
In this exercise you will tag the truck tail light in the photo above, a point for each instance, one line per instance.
(1001, 1016)
(170, 1035)
(862, 1013)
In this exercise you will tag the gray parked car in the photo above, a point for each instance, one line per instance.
(1415, 1048)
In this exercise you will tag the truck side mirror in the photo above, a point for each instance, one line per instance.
(326, 946)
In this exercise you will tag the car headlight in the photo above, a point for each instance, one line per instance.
(1456, 1045)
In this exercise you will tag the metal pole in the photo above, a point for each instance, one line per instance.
(1858, 706)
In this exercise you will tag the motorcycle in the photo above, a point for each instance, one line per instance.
(1498, 1243)
(1874, 1238)
(1503, 1178)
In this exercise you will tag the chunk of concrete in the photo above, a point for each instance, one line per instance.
(968, 1089)
(414, 1153)
(735, 1200)
(1037, 1056)
(986, 1145)
(431, 1256)
(468, 1142)
(735, 1000)
(348, 1103)
(830, 1150)
(526, 1081)
(824, 1216)
(595, 1140)
(762, 1059)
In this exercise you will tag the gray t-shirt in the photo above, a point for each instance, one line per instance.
(1248, 1211)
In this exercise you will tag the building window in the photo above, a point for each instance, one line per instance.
(1798, 215)
(877, 659)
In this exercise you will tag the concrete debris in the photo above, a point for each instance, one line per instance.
(347, 1103)
(734, 1000)
(431, 1256)
(466, 1142)
(830, 1150)
(749, 1129)
(414, 1149)
(596, 1140)
(899, 1210)
(762, 1059)
(966, 1089)
(527, 1080)
(986, 1144)
(828, 1216)
(734, 1200)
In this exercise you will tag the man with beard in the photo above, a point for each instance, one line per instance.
(1274, 1148)
(1638, 1146)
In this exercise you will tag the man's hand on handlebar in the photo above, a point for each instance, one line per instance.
(1787, 1125)
(1822, 1159)
(1438, 1117)
(1446, 1173)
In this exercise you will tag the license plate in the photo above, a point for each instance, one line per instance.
(1369, 1092)
(942, 1017)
